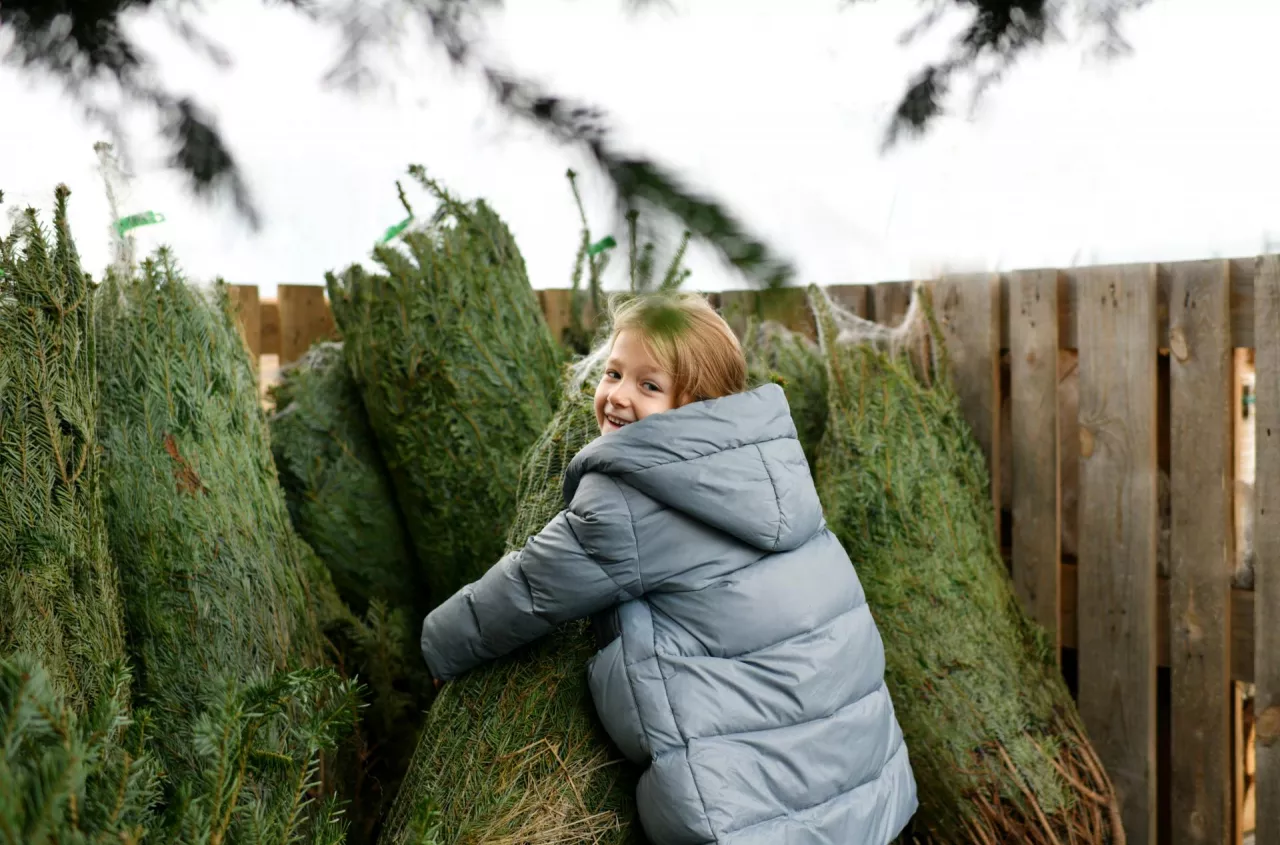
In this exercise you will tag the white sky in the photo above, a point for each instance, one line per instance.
(1168, 154)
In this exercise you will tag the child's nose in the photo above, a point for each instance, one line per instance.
(621, 396)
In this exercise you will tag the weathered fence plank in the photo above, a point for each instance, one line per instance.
(248, 310)
(1118, 524)
(1266, 544)
(304, 318)
(891, 301)
(557, 308)
(967, 309)
(1201, 559)
(1242, 661)
(1033, 354)
(852, 298)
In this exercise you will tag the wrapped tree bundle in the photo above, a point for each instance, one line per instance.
(789, 359)
(342, 503)
(513, 752)
(58, 585)
(459, 374)
(226, 607)
(72, 766)
(998, 749)
(340, 498)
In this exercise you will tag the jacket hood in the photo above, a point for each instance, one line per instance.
(733, 463)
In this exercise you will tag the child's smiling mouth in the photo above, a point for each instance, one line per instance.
(616, 422)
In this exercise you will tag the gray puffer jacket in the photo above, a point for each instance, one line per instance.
(746, 674)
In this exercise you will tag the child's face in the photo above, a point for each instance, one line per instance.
(633, 385)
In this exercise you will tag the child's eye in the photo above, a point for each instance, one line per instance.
(651, 386)
(611, 373)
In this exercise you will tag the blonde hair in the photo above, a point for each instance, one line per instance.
(688, 339)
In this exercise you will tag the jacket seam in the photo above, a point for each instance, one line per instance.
(777, 500)
(872, 781)
(880, 687)
(848, 611)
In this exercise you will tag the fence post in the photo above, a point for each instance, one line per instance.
(1201, 544)
(1117, 608)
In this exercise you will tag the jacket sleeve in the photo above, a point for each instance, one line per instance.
(583, 562)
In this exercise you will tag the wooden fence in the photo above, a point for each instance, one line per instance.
(1157, 662)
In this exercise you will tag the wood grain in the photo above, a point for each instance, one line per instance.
(1033, 355)
(304, 319)
(1118, 524)
(245, 305)
(1201, 556)
(967, 309)
(1266, 544)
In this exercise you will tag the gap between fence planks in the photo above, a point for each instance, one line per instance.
(1267, 550)
(1201, 551)
(1116, 310)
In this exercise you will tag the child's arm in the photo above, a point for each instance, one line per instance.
(583, 562)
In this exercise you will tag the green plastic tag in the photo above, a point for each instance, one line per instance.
(396, 229)
(133, 221)
(607, 242)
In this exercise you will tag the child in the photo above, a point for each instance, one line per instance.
(739, 662)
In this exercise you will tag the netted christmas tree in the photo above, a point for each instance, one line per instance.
(459, 374)
(777, 354)
(227, 609)
(58, 586)
(998, 749)
(72, 766)
(340, 497)
(513, 752)
(342, 504)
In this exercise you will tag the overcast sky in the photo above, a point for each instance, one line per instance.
(1167, 154)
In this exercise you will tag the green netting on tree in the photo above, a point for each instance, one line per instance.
(58, 585)
(70, 777)
(459, 374)
(340, 497)
(996, 744)
(512, 753)
(225, 606)
(342, 504)
(777, 354)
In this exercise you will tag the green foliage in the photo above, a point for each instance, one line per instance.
(58, 586)
(342, 503)
(340, 497)
(71, 777)
(789, 359)
(987, 717)
(259, 745)
(226, 607)
(459, 374)
(512, 752)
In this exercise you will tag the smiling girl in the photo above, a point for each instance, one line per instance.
(739, 663)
